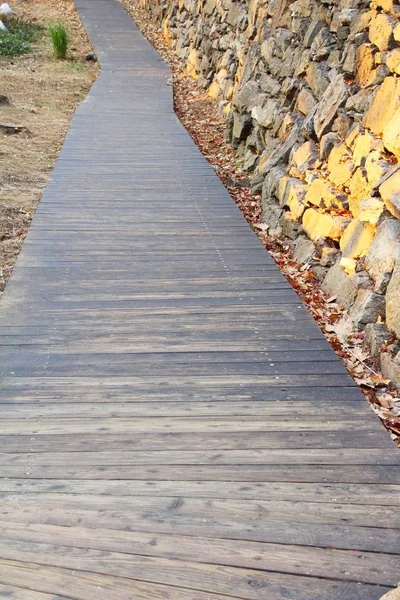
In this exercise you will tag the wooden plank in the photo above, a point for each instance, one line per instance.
(382, 569)
(173, 423)
(295, 456)
(89, 442)
(241, 473)
(18, 593)
(83, 585)
(334, 494)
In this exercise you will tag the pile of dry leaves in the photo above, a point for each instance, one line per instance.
(201, 117)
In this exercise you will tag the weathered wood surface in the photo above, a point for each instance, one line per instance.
(173, 423)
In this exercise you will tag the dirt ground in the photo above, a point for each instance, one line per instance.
(43, 93)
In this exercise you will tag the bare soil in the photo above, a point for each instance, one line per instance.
(43, 93)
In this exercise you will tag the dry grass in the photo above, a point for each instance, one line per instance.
(43, 93)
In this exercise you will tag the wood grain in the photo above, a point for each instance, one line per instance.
(174, 425)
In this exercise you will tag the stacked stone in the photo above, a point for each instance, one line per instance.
(311, 94)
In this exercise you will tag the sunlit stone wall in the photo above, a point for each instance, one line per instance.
(311, 95)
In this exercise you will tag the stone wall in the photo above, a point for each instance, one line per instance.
(311, 94)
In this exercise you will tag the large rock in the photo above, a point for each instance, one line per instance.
(304, 250)
(370, 210)
(334, 280)
(317, 77)
(365, 65)
(327, 143)
(356, 239)
(291, 193)
(390, 183)
(266, 114)
(359, 188)
(305, 101)
(390, 192)
(393, 301)
(393, 61)
(367, 308)
(385, 249)
(391, 134)
(388, 96)
(376, 167)
(334, 97)
(393, 205)
(271, 212)
(340, 164)
(304, 158)
(318, 225)
(363, 146)
(249, 96)
(338, 283)
(282, 152)
(241, 127)
(324, 194)
(272, 180)
(376, 334)
(381, 31)
(391, 370)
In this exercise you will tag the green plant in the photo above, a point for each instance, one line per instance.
(12, 45)
(16, 42)
(25, 30)
(59, 38)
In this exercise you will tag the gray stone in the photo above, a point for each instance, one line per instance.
(248, 97)
(271, 181)
(349, 290)
(265, 115)
(385, 250)
(367, 307)
(282, 153)
(391, 370)
(334, 280)
(334, 97)
(328, 142)
(317, 78)
(290, 228)
(269, 85)
(305, 101)
(342, 124)
(322, 45)
(381, 286)
(376, 334)
(319, 271)
(11, 128)
(304, 250)
(241, 127)
(271, 212)
(312, 32)
(393, 301)
(250, 161)
(329, 256)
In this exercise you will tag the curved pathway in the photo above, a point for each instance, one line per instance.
(174, 426)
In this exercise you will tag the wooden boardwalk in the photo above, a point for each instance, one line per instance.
(174, 426)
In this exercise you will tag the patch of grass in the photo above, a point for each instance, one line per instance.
(76, 66)
(12, 45)
(17, 41)
(26, 31)
(59, 38)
